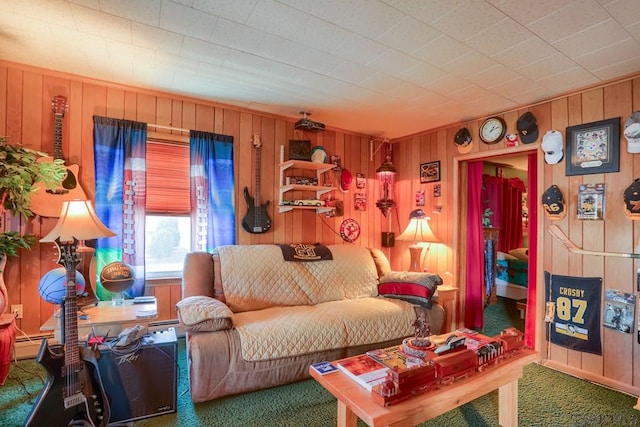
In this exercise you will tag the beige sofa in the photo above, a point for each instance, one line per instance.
(254, 320)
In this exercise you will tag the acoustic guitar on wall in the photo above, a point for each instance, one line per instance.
(256, 220)
(46, 202)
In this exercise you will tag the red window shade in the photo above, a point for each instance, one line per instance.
(167, 178)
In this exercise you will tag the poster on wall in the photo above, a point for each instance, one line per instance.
(619, 310)
(575, 321)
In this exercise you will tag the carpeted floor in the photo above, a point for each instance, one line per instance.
(546, 398)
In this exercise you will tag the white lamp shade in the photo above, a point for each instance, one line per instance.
(418, 229)
(78, 221)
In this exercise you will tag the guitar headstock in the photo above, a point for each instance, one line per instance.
(67, 254)
(59, 105)
(257, 143)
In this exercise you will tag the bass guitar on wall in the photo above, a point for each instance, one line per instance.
(73, 395)
(46, 202)
(256, 220)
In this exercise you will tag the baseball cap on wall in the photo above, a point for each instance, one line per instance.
(632, 200)
(553, 203)
(527, 128)
(632, 133)
(552, 145)
(345, 180)
(464, 141)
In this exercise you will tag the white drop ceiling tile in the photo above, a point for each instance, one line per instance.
(567, 79)
(490, 102)
(377, 19)
(117, 50)
(511, 88)
(527, 52)
(381, 82)
(612, 71)
(359, 49)
(469, 64)
(203, 51)
(441, 50)
(19, 28)
(266, 12)
(612, 54)
(634, 31)
(248, 63)
(470, 92)
(448, 84)
(156, 38)
(239, 37)
(626, 12)
(408, 35)
(52, 11)
(468, 19)
(425, 10)
(352, 72)
(185, 20)
(93, 22)
(332, 35)
(93, 4)
(571, 19)
(329, 10)
(493, 75)
(499, 37)
(188, 3)
(317, 62)
(233, 10)
(545, 67)
(422, 74)
(406, 92)
(591, 39)
(393, 62)
(145, 12)
(528, 11)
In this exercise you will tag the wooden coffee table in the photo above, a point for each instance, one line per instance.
(355, 402)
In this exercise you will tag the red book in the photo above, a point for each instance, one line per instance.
(364, 370)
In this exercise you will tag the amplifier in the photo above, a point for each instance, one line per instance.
(141, 381)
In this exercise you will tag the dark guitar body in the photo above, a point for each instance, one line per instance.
(256, 220)
(49, 409)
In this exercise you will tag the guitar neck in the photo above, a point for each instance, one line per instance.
(57, 137)
(258, 210)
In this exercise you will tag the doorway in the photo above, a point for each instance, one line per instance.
(468, 234)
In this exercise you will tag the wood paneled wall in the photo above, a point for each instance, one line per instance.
(26, 117)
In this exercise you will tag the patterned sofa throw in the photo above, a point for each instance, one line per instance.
(414, 287)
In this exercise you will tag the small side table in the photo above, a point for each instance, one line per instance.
(104, 318)
(448, 298)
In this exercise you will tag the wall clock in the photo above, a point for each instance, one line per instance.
(350, 230)
(493, 130)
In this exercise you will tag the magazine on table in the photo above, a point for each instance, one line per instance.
(364, 370)
(324, 368)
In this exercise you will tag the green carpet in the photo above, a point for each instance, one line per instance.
(546, 398)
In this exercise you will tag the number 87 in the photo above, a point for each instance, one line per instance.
(563, 309)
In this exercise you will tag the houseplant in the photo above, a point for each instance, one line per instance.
(20, 168)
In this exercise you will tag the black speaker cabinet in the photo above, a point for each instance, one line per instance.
(141, 382)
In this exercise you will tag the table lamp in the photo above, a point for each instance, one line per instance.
(77, 222)
(419, 232)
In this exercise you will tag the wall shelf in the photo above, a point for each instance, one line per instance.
(318, 190)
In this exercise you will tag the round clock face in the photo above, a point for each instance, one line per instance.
(350, 230)
(493, 130)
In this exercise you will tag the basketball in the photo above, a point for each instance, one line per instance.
(117, 277)
(52, 286)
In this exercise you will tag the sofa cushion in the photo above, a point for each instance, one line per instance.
(256, 277)
(382, 262)
(289, 331)
(415, 287)
(201, 313)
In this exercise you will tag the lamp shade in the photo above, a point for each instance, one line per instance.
(418, 229)
(78, 221)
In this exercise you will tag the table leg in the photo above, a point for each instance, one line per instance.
(346, 417)
(508, 404)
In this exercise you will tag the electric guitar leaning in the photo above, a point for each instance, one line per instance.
(73, 395)
(256, 220)
(46, 202)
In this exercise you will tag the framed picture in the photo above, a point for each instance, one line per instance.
(591, 201)
(593, 147)
(430, 172)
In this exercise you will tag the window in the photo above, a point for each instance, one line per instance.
(168, 219)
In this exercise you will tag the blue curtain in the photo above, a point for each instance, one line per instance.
(213, 218)
(120, 175)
